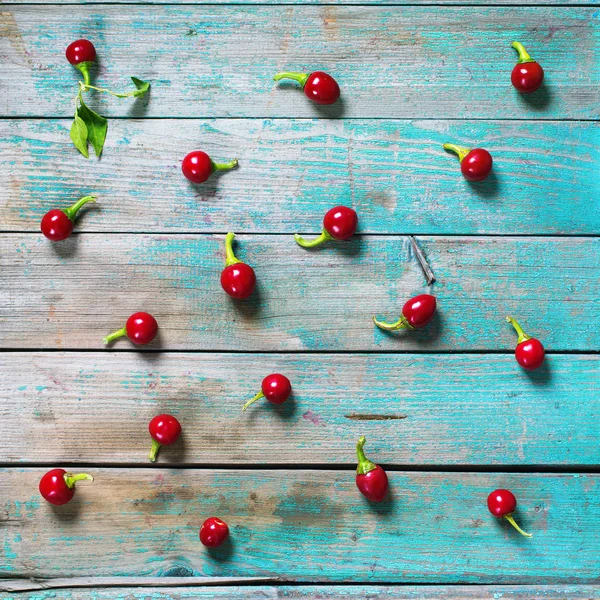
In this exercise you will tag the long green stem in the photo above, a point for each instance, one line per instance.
(86, 87)
(459, 150)
(510, 519)
(253, 400)
(115, 335)
(301, 78)
(324, 237)
(72, 211)
(401, 323)
(224, 166)
(230, 258)
(84, 69)
(364, 464)
(70, 479)
(523, 337)
(523, 55)
(154, 450)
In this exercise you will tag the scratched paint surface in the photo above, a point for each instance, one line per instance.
(306, 300)
(307, 525)
(408, 63)
(414, 409)
(394, 173)
(283, 592)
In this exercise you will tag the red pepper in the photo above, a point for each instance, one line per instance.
(371, 479)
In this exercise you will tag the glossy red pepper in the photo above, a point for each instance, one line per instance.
(318, 86)
(416, 313)
(502, 503)
(237, 278)
(527, 75)
(213, 532)
(475, 165)
(371, 479)
(58, 487)
(529, 351)
(197, 166)
(275, 388)
(80, 51)
(141, 328)
(57, 224)
(339, 223)
(164, 430)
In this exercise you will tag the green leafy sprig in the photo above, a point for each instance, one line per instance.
(89, 126)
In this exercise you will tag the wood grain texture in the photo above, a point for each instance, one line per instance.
(417, 410)
(72, 294)
(311, 526)
(218, 61)
(308, 592)
(323, 3)
(394, 173)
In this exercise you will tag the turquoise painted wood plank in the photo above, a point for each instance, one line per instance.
(70, 295)
(304, 525)
(415, 409)
(308, 592)
(324, 3)
(218, 61)
(394, 173)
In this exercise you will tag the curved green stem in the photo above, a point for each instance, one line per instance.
(84, 69)
(523, 337)
(301, 78)
(230, 258)
(459, 150)
(71, 479)
(364, 464)
(154, 450)
(510, 519)
(72, 211)
(401, 323)
(324, 237)
(253, 400)
(224, 166)
(523, 55)
(115, 335)
(87, 86)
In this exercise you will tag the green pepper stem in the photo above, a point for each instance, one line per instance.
(230, 258)
(71, 479)
(459, 150)
(224, 166)
(301, 78)
(401, 323)
(523, 337)
(154, 450)
(523, 55)
(115, 335)
(72, 211)
(253, 400)
(323, 237)
(510, 519)
(84, 69)
(364, 464)
(86, 86)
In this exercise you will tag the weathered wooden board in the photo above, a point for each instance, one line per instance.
(304, 525)
(414, 409)
(308, 592)
(324, 3)
(395, 174)
(218, 61)
(72, 294)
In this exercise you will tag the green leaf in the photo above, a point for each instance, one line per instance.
(142, 87)
(97, 126)
(79, 134)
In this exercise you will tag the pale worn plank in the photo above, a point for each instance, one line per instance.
(323, 3)
(417, 410)
(305, 525)
(218, 61)
(157, 589)
(70, 295)
(394, 173)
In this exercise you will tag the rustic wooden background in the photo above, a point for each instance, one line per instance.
(447, 410)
